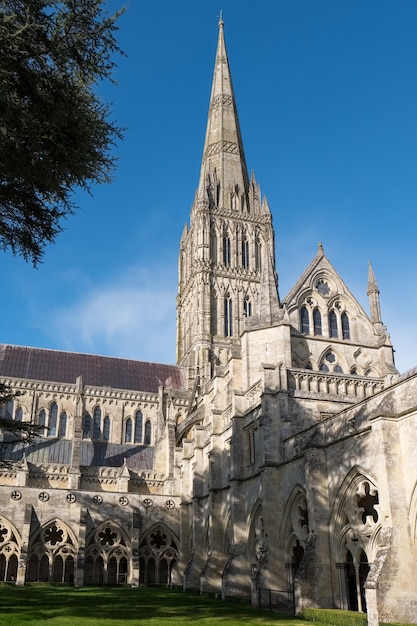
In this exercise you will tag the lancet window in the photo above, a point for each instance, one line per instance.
(305, 323)
(247, 307)
(226, 249)
(228, 317)
(6, 410)
(52, 425)
(345, 326)
(148, 433)
(317, 322)
(245, 253)
(96, 428)
(258, 255)
(333, 324)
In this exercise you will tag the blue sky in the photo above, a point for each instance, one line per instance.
(327, 98)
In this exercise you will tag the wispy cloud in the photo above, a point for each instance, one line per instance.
(132, 317)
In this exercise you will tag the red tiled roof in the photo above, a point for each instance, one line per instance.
(101, 371)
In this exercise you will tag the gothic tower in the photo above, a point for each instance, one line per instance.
(229, 240)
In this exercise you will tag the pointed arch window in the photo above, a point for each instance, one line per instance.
(87, 426)
(228, 317)
(247, 307)
(19, 414)
(62, 425)
(245, 253)
(6, 410)
(128, 431)
(42, 421)
(97, 423)
(213, 246)
(106, 428)
(345, 326)
(305, 323)
(317, 322)
(333, 324)
(258, 255)
(148, 433)
(226, 249)
(53, 419)
(138, 426)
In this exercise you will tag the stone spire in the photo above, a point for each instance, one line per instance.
(373, 295)
(269, 305)
(229, 241)
(223, 167)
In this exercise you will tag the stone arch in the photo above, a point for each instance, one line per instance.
(10, 547)
(107, 555)
(52, 553)
(354, 529)
(257, 542)
(334, 360)
(158, 553)
(294, 532)
(228, 534)
(412, 516)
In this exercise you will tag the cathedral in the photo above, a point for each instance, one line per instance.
(278, 456)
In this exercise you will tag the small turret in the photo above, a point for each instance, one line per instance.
(373, 295)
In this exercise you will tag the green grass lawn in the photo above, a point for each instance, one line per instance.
(46, 605)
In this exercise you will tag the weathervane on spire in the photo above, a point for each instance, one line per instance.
(221, 18)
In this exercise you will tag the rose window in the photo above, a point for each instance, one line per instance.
(158, 539)
(54, 535)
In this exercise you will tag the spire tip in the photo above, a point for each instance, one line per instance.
(221, 23)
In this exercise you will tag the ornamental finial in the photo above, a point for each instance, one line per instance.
(221, 18)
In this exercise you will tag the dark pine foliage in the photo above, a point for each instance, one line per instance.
(55, 132)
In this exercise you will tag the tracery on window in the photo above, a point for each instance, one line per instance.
(158, 553)
(330, 363)
(51, 554)
(323, 287)
(9, 551)
(107, 556)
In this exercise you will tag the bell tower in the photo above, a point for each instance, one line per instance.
(229, 239)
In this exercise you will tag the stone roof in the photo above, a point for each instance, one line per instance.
(56, 366)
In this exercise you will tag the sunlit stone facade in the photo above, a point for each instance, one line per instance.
(280, 453)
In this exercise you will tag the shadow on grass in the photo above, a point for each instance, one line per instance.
(49, 604)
